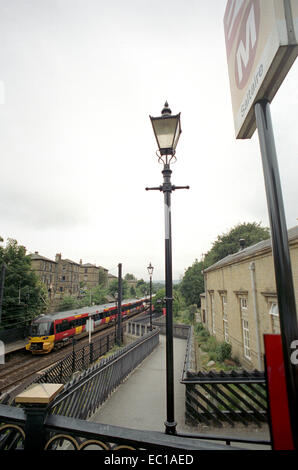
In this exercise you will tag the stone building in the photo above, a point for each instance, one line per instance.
(240, 305)
(68, 276)
(46, 269)
(91, 275)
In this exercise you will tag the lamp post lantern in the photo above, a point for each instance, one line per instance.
(150, 272)
(167, 130)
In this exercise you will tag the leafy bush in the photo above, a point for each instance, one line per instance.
(223, 351)
(199, 327)
(210, 345)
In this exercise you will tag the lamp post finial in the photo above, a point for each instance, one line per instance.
(166, 109)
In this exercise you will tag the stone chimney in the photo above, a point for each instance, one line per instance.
(58, 257)
(81, 262)
(242, 244)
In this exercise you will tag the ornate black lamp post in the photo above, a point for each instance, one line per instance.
(167, 130)
(150, 272)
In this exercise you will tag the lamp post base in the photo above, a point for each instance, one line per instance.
(171, 427)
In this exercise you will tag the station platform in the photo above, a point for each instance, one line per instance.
(15, 346)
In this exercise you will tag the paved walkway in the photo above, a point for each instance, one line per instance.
(140, 402)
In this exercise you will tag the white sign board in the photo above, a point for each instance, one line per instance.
(261, 45)
(90, 325)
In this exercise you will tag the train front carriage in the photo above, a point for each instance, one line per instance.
(41, 335)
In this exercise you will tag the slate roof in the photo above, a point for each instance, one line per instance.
(250, 251)
(38, 256)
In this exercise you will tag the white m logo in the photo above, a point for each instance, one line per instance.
(243, 52)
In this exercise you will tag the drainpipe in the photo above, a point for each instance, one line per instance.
(252, 269)
(206, 299)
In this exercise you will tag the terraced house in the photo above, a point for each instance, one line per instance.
(240, 301)
(90, 275)
(46, 269)
(68, 276)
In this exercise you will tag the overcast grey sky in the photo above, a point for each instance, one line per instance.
(78, 81)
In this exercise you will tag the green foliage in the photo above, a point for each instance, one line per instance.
(228, 243)
(97, 295)
(113, 288)
(102, 277)
(67, 303)
(192, 284)
(223, 351)
(198, 328)
(129, 277)
(217, 351)
(24, 297)
(159, 303)
(132, 292)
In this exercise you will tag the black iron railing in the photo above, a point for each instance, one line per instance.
(83, 395)
(37, 426)
(214, 398)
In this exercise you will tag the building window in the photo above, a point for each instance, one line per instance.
(246, 343)
(243, 303)
(225, 318)
(212, 313)
(273, 311)
(203, 316)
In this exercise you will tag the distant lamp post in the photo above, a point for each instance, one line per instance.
(167, 130)
(116, 309)
(150, 272)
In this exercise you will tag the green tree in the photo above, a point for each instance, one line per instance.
(159, 302)
(67, 303)
(192, 284)
(102, 277)
(129, 277)
(228, 243)
(133, 292)
(97, 295)
(113, 288)
(24, 296)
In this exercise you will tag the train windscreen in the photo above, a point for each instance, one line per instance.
(41, 328)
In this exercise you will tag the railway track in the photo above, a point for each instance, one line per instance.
(21, 371)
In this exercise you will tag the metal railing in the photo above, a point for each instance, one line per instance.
(38, 427)
(214, 398)
(84, 394)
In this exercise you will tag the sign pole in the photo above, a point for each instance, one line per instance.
(2, 279)
(119, 303)
(281, 257)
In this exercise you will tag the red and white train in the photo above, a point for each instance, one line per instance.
(48, 331)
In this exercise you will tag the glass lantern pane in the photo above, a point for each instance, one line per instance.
(177, 135)
(164, 129)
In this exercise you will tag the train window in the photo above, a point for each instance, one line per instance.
(41, 328)
(65, 325)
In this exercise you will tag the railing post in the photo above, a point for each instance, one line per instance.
(35, 401)
(91, 354)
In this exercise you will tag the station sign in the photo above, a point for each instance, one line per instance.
(261, 46)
